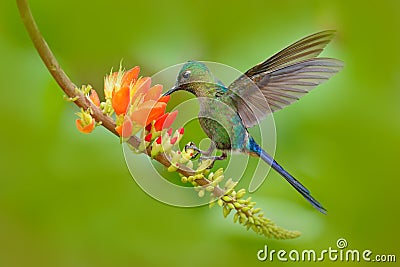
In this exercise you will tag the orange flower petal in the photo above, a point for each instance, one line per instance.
(84, 129)
(158, 125)
(153, 93)
(164, 99)
(140, 114)
(127, 127)
(147, 112)
(165, 120)
(141, 86)
(94, 97)
(130, 76)
(120, 100)
(170, 119)
(157, 111)
(118, 129)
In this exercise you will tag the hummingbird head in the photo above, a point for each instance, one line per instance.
(192, 77)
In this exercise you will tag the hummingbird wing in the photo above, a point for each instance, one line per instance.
(283, 78)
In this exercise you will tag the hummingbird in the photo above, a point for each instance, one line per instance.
(226, 112)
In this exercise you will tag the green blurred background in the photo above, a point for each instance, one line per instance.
(67, 199)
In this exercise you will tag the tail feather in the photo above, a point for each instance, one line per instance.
(293, 181)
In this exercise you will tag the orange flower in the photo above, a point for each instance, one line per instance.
(117, 87)
(136, 103)
(86, 122)
(84, 128)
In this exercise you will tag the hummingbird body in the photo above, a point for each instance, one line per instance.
(226, 112)
(221, 123)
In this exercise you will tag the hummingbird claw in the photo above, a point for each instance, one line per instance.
(213, 159)
(193, 146)
(205, 155)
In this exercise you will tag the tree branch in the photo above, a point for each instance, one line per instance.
(82, 101)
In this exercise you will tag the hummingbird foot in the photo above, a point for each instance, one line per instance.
(206, 153)
(213, 159)
(192, 146)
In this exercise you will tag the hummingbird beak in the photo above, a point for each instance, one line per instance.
(170, 91)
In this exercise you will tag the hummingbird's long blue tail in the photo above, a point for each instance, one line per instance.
(255, 148)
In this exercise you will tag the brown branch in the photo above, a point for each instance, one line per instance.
(81, 100)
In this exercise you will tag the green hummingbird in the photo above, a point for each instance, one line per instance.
(226, 112)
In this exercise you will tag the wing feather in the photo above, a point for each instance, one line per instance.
(306, 48)
(283, 78)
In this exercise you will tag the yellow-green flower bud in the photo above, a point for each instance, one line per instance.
(210, 188)
(252, 204)
(228, 183)
(226, 199)
(229, 191)
(237, 205)
(172, 168)
(219, 172)
(240, 193)
(226, 211)
(175, 156)
(242, 201)
(201, 193)
(256, 210)
(212, 204)
(189, 164)
(251, 220)
(235, 217)
(245, 209)
(198, 176)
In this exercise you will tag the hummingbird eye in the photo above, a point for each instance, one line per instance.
(186, 74)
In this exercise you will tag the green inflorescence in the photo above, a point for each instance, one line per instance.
(246, 213)
(205, 182)
(249, 216)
